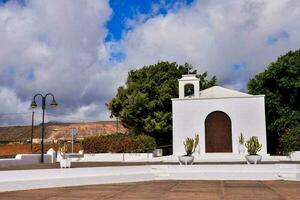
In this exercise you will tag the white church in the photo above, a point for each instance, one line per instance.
(218, 115)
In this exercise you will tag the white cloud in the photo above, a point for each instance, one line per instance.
(214, 35)
(58, 46)
(10, 105)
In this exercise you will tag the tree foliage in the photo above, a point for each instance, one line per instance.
(280, 82)
(290, 140)
(144, 104)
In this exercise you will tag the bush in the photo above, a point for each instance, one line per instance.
(93, 144)
(290, 140)
(105, 144)
(123, 144)
(118, 143)
(190, 145)
(253, 146)
(145, 144)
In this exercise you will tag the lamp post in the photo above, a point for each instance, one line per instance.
(33, 105)
(32, 127)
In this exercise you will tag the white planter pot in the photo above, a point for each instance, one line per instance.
(186, 160)
(253, 159)
(241, 149)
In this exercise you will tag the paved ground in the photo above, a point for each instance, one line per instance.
(172, 190)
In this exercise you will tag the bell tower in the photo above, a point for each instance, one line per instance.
(190, 81)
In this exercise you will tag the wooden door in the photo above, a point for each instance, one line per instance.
(218, 137)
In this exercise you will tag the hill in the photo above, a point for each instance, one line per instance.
(55, 131)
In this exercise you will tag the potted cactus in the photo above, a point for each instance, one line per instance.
(190, 145)
(241, 144)
(253, 146)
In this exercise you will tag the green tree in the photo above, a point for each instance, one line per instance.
(144, 104)
(280, 82)
(290, 140)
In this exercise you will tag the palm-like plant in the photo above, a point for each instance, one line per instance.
(253, 145)
(241, 139)
(190, 145)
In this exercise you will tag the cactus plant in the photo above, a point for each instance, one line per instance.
(190, 145)
(241, 139)
(253, 145)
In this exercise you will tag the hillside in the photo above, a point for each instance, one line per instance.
(54, 131)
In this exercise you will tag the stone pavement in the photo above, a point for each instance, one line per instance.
(173, 190)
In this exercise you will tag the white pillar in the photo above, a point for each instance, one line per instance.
(52, 153)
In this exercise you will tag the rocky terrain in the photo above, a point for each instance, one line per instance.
(55, 131)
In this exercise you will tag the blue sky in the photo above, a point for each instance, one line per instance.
(82, 50)
(124, 10)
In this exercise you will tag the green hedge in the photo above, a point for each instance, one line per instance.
(145, 144)
(119, 143)
(290, 141)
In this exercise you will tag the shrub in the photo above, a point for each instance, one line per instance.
(145, 144)
(253, 146)
(290, 140)
(94, 144)
(125, 144)
(119, 143)
(190, 145)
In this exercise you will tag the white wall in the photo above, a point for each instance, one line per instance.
(247, 115)
(25, 159)
(111, 157)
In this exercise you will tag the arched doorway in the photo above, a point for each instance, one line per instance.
(218, 137)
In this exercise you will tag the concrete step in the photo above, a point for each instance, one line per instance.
(160, 171)
(225, 157)
(46, 178)
(289, 171)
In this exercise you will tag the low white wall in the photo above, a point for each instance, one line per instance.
(25, 159)
(112, 157)
(33, 158)
(137, 156)
(295, 156)
(9, 161)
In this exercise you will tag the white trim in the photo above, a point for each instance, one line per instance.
(203, 98)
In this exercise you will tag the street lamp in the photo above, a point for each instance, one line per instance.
(33, 105)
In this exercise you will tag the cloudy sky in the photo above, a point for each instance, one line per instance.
(81, 50)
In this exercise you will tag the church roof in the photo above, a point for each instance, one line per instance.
(221, 92)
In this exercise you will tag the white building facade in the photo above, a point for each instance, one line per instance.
(219, 116)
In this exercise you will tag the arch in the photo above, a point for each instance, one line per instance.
(218, 135)
(189, 90)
